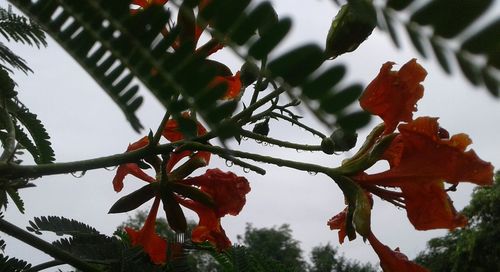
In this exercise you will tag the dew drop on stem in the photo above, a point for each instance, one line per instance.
(229, 163)
(78, 174)
(112, 168)
(246, 170)
(312, 173)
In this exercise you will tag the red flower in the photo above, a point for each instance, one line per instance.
(420, 161)
(146, 237)
(422, 157)
(338, 222)
(393, 95)
(393, 261)
(233, 84)
(228, 193)
(172, 133)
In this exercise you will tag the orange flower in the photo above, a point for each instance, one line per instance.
(146, 237)
(393, 95)
(172, 133)
(393, 261)
(422, 157)
(338, 222)
(228, 193)
(233, 84)
(420, 161)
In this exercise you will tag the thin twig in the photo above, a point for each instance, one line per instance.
(258, 137)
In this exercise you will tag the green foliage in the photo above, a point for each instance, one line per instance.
(101, 39)
(17, 28)
(474, 248)
(84, 242)
(326, 259)
(276, 244)
(43, 152)
(10, 188)
(12, 264)
(448, 28)
(60, 226)
(353, 24)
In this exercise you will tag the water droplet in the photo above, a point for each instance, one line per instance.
(312, 173)
(77, 174)
(246, 170)
(229, 163)
(258, 141)
(112, 168)
(265, 144)
(271, 145)
(244, 138)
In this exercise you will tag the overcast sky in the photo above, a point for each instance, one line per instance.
(84, 123)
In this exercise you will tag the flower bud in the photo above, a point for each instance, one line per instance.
(249, 73)
(350, 27)
(344, 140)
(262, 128)
(328, 146)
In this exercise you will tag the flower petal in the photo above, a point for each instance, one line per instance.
(339, 222)
(233, 85)
(226, 189)
(426, 156)
(129, 168)
(148, 239)
(429, 207)
(209, 228)
(392, 95)
(393, 261)
(173, 133)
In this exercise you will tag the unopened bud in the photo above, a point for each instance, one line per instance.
(249, 73)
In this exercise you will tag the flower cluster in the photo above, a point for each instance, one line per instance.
(211, 195)
(422, 158)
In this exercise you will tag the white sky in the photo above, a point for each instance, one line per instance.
(84, 123)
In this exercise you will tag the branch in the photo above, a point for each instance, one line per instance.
(309, 167)
(280, 143)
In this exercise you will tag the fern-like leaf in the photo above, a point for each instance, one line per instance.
(60, 226)
(448, 28)
(112, 44)
(44, 152)
(19, 29)
(9, 264)
(14, 195)
(9, 57)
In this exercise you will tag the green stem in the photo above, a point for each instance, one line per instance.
(159, 131)
(295, 122)
(35, 171)
(44, 246)
(277, 142)
(260, 158)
